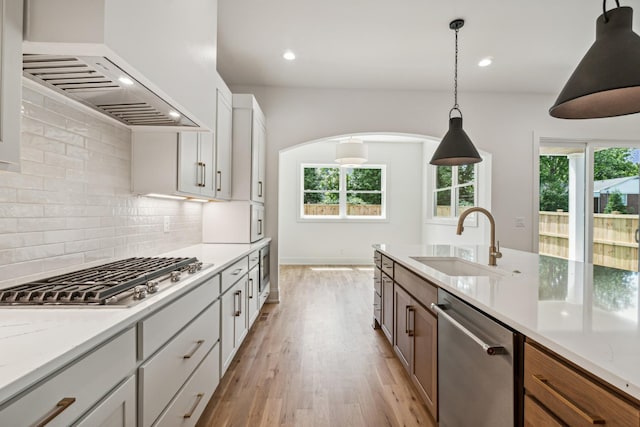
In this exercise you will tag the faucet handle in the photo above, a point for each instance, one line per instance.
(498, 254)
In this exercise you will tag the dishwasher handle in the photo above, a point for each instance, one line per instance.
(491, 350)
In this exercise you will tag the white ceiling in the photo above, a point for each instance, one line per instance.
(406, 44)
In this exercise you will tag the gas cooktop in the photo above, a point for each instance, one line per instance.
(117, 283)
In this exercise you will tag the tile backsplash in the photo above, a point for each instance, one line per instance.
(71, 205)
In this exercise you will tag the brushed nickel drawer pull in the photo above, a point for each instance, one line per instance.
(544, 383)
(204, 174)
(259, 188)
(198, 344)
(236, 271)
(410, 331)
(219, 186)
(238, 311)
(199, 397)
(60, 408)
(251, 288)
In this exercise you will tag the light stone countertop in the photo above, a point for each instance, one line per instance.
(585, 313)
(35, 342)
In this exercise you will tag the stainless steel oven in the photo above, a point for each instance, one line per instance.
(264, 268)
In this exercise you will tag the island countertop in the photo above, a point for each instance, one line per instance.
(585, 313)
(35, 342)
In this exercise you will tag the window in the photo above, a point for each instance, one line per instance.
(343, 193)
(454, 190)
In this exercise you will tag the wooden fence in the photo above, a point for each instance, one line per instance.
(360, 210)
(614, 242)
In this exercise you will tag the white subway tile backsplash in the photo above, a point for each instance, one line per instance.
(71, 204)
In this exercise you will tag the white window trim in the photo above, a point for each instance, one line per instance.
(342, 196)
(472, 219)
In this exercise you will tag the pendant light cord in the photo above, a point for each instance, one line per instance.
(604, 11)
(456, 107)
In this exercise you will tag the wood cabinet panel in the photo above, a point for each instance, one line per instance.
(387, 308)
(424, 361)
(535, 415)
(402, 334)
(422, 290)
(571, 396)
(387, 266)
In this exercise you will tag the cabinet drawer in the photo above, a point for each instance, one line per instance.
(234, 272)
(158, 328)
(163, 375)
(571, 396)
(387, 265)
(254, 259)
(377, 281)
(422, 290)
(117, 409)
(536, 416)
(82, 384)
(377, 259)
(188, 405)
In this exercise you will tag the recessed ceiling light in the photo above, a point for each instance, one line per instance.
(125, 80)
(174, 114)
(485, 62)
(288, 55)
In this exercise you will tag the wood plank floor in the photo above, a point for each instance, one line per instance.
(316, 361)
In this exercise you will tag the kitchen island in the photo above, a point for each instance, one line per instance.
(38, 342)
(588, 315)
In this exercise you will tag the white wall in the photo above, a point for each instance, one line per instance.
(349, 242)
(501, 124)
(71, 204)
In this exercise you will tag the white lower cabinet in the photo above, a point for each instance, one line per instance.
(253, 295)
(163, 375)
(187, 406)
(234, 321)
(118, 409)
(64, 397)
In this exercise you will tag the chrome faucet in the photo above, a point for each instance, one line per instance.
(494, 252)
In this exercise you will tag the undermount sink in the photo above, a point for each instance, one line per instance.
(452, 266)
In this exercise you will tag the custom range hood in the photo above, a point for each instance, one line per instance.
(100, 84)
(141, 62)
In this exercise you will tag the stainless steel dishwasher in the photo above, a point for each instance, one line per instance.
(478, 367)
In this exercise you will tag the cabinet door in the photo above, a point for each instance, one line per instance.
(241, 320)
(424, 361)
(257, 222)
(253, 297)
(257, 159)
(224, 126)
(535, 415)
(387, 308)
(228, 310)
(208, 162)
(116, 410)
(190, 178)
(402, 336)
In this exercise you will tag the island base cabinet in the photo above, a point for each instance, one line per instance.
(570, 395)
(402, 336)
(116, 410)
(188, 405)
(535, 415)
(387, 308)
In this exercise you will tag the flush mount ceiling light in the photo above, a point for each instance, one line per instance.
(288, 55)
(455, 148)
(485, 62)
(606, 83)
(351, 152)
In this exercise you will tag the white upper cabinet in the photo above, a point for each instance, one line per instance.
(169, 46)
(10, 83)
(196, 162)
(249, 148)
(223, 143)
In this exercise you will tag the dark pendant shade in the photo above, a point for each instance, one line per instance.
(455, 148)
(606, 82)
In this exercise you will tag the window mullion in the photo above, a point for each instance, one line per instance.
(342, 193)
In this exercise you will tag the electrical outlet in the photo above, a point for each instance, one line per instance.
(167, 223)
(519, 222)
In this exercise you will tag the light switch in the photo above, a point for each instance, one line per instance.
(519, 222)
(167, 223)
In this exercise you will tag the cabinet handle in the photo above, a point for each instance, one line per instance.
(259, 227)
(204, 174)
(239, 307)
(199, 397)
(236, 272)
(251, 288)
(411, 331)
(219, 181)
(60, 407)
(259, 188)
(544, 383)
(406, 319)
(198, 344)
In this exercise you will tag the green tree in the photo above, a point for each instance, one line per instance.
(554, 183)
(364, 179)
(613, 163)
(323, 179)
(615, 203)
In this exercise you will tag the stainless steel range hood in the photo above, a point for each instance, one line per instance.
(97, 82)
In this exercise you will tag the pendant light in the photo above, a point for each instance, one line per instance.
(606, 83)
(351, 152)
(455, 148)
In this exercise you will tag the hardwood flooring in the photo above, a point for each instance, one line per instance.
(315, 360)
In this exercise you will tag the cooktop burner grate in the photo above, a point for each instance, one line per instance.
(96, 285)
